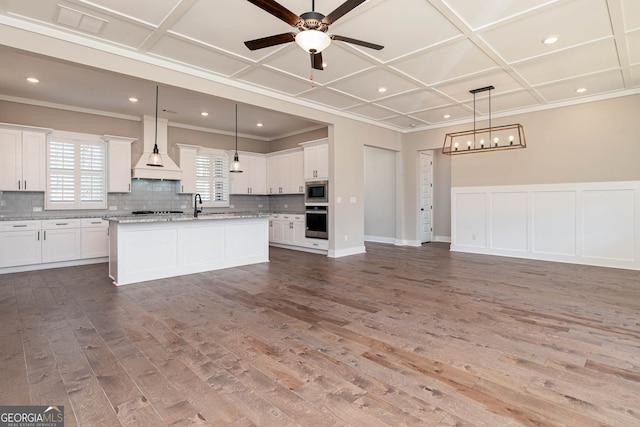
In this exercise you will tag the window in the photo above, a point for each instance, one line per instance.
(212, 177)
(76, 172)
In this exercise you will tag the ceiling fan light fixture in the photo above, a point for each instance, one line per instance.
(313, 41)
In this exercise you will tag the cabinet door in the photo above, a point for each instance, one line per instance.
(95, 242)
(10, 160)
(258, 175)
(322, 161)
(298, 233)
(316, 161)
(61, 244)
(272, 175)
(188, 165)
(279, 227)
(296, 165)
(34, 168)
(20, 248)
(119, 165)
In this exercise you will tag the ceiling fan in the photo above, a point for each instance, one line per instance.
(312, 27)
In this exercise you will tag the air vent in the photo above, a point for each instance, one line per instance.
(79, 20)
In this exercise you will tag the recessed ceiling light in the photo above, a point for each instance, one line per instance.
(32, 80)
(204, 114)
(382, 89)
(259, 125)
(550, 40)
(132, 99)
(446, 116)
(581, 90)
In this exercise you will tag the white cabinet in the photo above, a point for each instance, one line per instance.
(29, 242)
(61, 240)
(253, 179)
(20, 243)
(287, 229)
(119, 166)
(95, 238)
(285, 173)
(22, 159)
(316, 159)
(187, 160)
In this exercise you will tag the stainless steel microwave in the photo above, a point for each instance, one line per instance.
(316, 192)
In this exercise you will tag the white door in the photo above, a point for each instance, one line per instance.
(425, 216)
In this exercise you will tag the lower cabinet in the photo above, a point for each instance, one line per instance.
(289, 230)
(20, 243)
(95, 238)
(32, 242)
(61, 240)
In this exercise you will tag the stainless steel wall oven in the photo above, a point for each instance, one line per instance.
(316, 221)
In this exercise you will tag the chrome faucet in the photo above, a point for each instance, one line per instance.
(195, 205)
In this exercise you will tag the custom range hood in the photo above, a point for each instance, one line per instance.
(169, 170)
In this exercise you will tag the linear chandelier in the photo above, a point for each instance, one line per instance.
(492, 138)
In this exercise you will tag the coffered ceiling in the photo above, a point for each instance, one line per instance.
(435, 51)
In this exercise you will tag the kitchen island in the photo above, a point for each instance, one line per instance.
(154, 247)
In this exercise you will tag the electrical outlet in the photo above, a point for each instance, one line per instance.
(352, 199)
(232, 206)
(286, 206)
(339, 200)
(473, 237)
(259, 205)
(183, 206)
(346, 237)
(113, 208)
(37, 209)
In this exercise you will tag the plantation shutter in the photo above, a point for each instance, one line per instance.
(212, 178)
(76, 173)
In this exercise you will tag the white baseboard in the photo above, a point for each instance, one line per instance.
(379, 239)
(44, 266)
(444, 239)
(346, 252)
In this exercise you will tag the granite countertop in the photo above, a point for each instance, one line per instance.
(137, 219)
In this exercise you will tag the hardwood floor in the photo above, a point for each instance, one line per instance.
(395, 337)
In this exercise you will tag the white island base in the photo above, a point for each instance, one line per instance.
(141, 250)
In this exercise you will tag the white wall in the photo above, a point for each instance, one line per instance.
(584, 223)
(380, 195)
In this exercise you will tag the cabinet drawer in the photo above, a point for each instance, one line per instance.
(52, 224)
(94, 222)
(20, 225)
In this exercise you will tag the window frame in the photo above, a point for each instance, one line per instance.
(213, 155)
(78, 140)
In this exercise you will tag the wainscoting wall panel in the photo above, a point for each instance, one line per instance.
(584, 223)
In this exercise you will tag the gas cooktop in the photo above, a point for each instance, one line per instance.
(155, 212)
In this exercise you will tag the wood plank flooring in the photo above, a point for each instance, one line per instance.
(394, 337)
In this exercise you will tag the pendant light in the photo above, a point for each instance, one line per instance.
(155, 159)
(235, 167)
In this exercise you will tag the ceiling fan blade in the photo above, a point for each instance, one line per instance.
(277, 10)
(341, 10)
(358, 42)
(316, 61)
(270, 41)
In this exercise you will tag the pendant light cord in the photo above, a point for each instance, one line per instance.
(155, 142)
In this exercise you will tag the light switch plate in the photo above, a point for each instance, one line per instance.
(352, 199)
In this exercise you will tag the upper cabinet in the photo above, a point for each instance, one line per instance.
(187, 162)
(316, 159)
(22, 159)
(119, 166)
(285, 173)
(253, 179)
